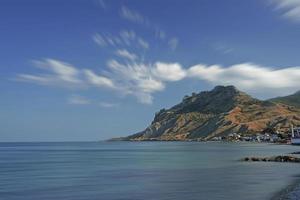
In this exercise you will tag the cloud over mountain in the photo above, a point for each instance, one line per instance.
(250, 77)
(142, 80)
(130, 71)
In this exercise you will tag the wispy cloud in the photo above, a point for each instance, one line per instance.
(173, 43)
(222, 48)
(136, 17)
(126, 38)
(78, 100)
(130, 77)
(159, 33)
(250, 77)
(290, 9)
(97, 80)
(143, 43)
(55, 73)
(129, 73)
(142, 80)
(102, 3)
(81, 100)
(107, 104)
(135, 79)
(100, 40)
(126, 54)
(133, 16)
(62, 74)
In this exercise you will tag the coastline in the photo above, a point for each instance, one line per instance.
(290, 192)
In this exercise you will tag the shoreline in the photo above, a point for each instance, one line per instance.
(199, 141)
(290, 189)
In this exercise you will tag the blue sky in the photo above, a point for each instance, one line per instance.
(96, 69)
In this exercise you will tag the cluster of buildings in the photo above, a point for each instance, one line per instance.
(292, 137)
(259, 137)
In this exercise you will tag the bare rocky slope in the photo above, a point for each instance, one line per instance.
(218, 112)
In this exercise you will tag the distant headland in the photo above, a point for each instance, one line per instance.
(224, 113)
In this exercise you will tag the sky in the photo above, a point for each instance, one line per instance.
(88, 70)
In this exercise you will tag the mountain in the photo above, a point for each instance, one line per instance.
(293, 99)
(218, 112)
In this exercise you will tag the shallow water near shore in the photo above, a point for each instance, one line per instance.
(142, 170)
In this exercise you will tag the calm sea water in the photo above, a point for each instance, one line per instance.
(141, 171)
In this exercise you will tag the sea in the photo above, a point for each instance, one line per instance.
(145, 171)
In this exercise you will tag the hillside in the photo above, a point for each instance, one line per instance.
(293, 99)
(218, 112)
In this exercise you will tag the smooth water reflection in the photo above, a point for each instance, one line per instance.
(145, 170)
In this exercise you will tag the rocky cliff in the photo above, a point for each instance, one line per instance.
(218, 112)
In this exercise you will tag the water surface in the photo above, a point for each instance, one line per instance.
(141, 171)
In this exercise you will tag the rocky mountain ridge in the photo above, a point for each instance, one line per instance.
(218, 112)
(293, 99)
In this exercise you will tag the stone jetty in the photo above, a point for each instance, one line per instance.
(291, 159)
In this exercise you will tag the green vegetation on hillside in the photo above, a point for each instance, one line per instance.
(293, 100)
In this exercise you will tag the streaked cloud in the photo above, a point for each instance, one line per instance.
(143, 43)
(135, 79)
(107, 104)
(222, 48)
(173, 43)
(129, 73)
(61, 74)
(103, 4)
(250, 77)
(136, 17)
(55, 73)
(78, 100)
(127, 78)
(133, 15)
(100, 40)
(141, 80)
(290, 9)
(126, 54)
(97, 80)
(81, 100)
(126, 38)
(159, 33)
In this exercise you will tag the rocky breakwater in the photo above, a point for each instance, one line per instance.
(285, 158)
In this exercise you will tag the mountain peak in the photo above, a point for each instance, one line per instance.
(225, 88)
(220, 99)
(229, 91)
(218, 112)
